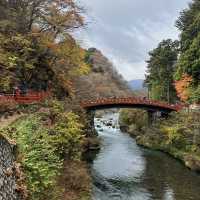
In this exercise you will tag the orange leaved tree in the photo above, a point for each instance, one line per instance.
(182, 87)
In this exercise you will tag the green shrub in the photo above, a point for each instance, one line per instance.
(195, 97)
(68, 135)
(40, 162)
(180, 128)
(133, 116)
(44, 144)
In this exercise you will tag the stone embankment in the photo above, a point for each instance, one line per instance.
(9, 171)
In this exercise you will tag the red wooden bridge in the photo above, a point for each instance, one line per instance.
(135, 102)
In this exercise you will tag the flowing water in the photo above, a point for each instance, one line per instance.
(124, 171)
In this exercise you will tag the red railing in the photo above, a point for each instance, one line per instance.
(131, 101)
(28, 98)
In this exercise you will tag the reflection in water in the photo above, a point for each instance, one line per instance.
(124, 171)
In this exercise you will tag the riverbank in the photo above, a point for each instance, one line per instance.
(124, 170)
(155, 141)
(50, 141)
(178, 136)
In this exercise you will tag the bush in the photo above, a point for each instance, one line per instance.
(180, 129)
(68, 136)
(40, 162)
(195, 97)
(137, 117)
(44, 145)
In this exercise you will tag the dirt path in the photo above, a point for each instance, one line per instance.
(6, 121)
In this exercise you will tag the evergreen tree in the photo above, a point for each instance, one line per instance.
(189, 61)
(160, 70)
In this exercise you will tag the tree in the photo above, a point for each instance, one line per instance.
(182, 87)
(189, 61)
(160, 69)
(40, 48)
(56, 16)
(189, 24)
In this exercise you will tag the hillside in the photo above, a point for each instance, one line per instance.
(103, 79)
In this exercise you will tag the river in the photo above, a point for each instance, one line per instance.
(122, 170)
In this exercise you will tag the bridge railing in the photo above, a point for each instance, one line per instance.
(131, 100)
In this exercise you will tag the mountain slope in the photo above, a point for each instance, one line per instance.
(102, 81)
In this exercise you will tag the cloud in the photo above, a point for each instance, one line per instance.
(126, 30)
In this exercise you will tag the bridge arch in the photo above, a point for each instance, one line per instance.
(130, 102)
(151, 106)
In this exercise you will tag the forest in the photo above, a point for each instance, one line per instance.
(173, 72)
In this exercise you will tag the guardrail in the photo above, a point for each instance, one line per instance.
(28, 98)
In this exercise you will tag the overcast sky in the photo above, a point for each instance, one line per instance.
(126, 30)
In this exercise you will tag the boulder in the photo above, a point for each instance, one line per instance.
(192, 162)
(109, 124)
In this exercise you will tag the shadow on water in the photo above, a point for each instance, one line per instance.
(121, 170)
(167, 178)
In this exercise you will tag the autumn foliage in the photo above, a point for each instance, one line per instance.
(40, 51)
(182, 87)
